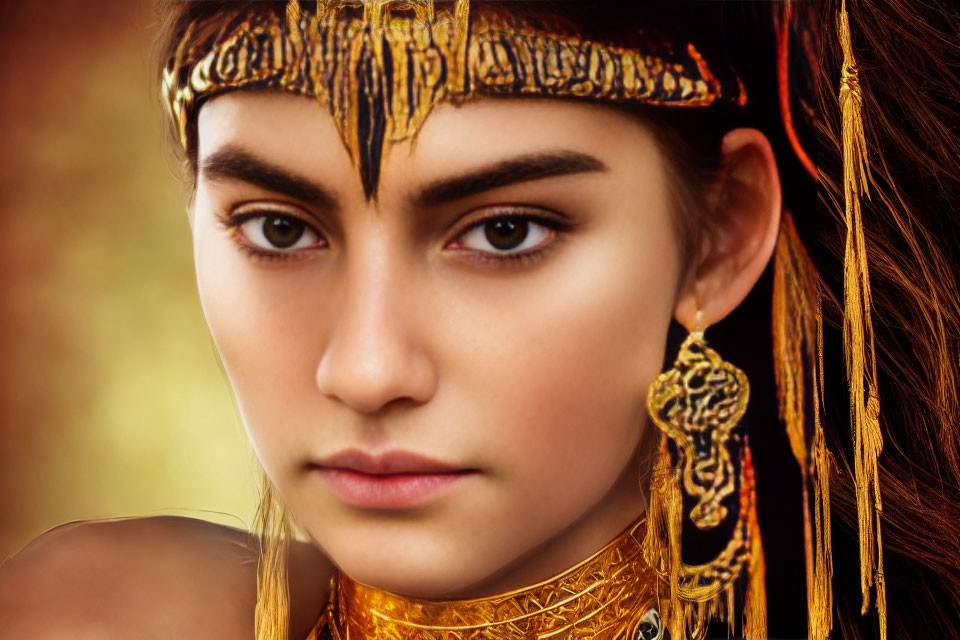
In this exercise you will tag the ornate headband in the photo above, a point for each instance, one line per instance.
(381, 66)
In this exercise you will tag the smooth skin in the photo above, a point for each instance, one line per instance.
(394, 324)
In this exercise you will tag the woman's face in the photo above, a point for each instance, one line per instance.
(446, 383)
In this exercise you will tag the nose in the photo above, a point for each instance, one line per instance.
(375, 355)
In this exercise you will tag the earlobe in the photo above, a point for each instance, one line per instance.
(741, 230)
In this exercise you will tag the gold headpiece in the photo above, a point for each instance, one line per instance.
(381, 66)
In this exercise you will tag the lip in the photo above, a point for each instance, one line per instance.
(392, 480)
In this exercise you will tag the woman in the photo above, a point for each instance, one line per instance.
(442, 295)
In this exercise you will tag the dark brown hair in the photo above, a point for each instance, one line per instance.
(909, 57)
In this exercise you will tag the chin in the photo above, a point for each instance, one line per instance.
(415, 576)
(423, 584)
(432, 563)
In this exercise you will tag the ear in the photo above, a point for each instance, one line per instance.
(741, 231)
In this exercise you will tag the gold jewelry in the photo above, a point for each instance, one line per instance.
(858, 333)
(609, 596)
(697, 404)
(380, 66)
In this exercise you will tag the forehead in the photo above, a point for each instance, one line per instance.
(297, 133)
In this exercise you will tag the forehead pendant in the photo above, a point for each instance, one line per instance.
(380, 66)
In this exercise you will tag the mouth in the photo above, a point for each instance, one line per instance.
(390, 481)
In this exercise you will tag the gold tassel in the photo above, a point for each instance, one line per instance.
(274, 532)
(755, 605)
(858, 333)
(797, 340)
(755, 612)
(821, 611)
(794, 286)
(674, 512)
(293, 23)
(821, 601)
(661, 543)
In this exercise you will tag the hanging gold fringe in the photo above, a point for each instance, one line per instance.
(858, 333)
(274, 532)
(662, 540)
(755, 604)
(794, 292)
(695, 596)
(755, 610)
(293, 22)
(797, 350)
(821, 614)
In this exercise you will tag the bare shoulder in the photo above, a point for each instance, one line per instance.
(160, 577)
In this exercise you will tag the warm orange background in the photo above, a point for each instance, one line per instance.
(111, 401)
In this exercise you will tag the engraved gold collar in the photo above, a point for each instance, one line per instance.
(609, 596)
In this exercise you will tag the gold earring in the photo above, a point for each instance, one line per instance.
(697, 405)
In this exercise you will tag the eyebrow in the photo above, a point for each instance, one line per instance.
(233, 163)
(526, 168)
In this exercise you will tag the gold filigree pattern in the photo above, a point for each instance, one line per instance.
(606, 597)
(697, 403)
(707, 581)
(381, 66)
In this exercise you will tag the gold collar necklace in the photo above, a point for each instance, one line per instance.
(609, 596)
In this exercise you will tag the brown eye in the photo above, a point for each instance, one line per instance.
(504, 236)
(278, 233)
(507, 233)
(282, 233)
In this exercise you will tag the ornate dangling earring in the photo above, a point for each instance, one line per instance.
(697, 404)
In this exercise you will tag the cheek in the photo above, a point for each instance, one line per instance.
(562, 363)
(264, 325)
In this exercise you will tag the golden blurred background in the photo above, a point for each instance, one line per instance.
(112, 400)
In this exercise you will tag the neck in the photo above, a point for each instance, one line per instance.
(608, 596)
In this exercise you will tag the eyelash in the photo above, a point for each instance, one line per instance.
(232, 223)
(556, 228)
